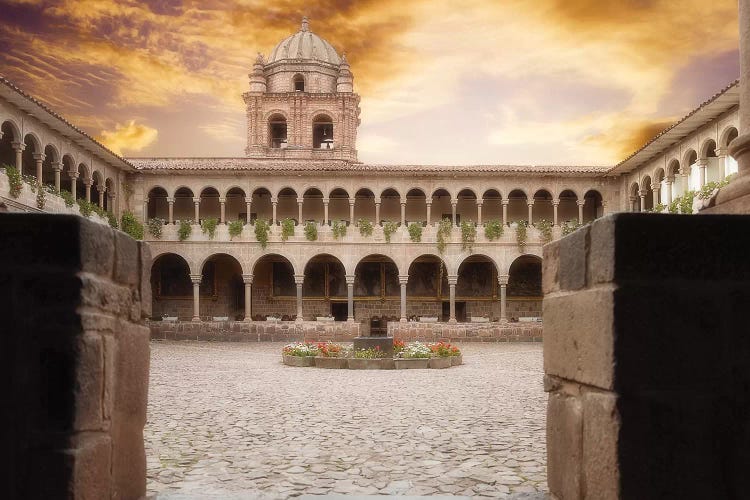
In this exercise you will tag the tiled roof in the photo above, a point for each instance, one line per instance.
(31, 99)
(255, 165)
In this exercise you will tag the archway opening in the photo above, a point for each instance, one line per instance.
(524, 295)
(7, 153)
(416, 207)
(338, 206)
(364, 205)
(287, 205)
(466, 206)
(158, 206)
(277, 132)
(324, 290)
(492, 205)
(261, 206)
(441, 206)
(390, 206)
(312, 206)
(48, 172)
(567, 210)
(322, 132)
(221, 281)
(476, 289)
(377, 292)
(592, 206)
(210, 208)
(274, 289)
(171, 288)
(518, 209)
(236, 207)
(543, 209)
(427, 291)
(184, 208)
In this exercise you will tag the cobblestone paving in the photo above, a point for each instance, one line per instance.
(226, 419)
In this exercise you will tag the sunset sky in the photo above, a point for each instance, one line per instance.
(574, 82)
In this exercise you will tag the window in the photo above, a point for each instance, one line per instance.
(299, 83)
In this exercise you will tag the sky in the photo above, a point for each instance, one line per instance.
(553, 82)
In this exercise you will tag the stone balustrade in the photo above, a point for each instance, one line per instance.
(466, 332)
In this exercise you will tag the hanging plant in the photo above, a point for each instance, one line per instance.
(84, 207)
(131, 226)
(686, 202)
(365, 227)
(155, 226)
(41, 199)
(468, 235)
(185, 229)
(388, 229)
(445, 227)
(261, 232)
(545, 230)
(208, 226)
(521, 234)
(235, 228)
(14, 179)
(339, 229)
(493, 229)
(415, 232)
(311, 231)
(287, 228)
(67, 197)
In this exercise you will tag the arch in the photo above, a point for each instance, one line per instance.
(221, 276)
(635, 197)
(260, 205)
(364, 205)
(32, 147)
(234, 191)
(295, 266)
(567, 208)
(10, 135)
(543, 209)
(492, 207)
(476, 288)
(728, 135)
(390, 205)
(158, 207)
(658, 175)
(170, 284)
(234, 256)
(312, 205)
(97, 179)
(274, 286)
(210, 205)
(416, 207)
(68, 167)
(32, 141)
(183, 204)
(593, 206)
(517, 206)
(277, 131)
(325, 286)
(51, 157)
(708, 149)
(673, 168)
(427, 286)
(648, 200)
(235, 206)
(689, 158)
(14, 131)
(477, 256)
(84, 178)
(322, 127)
(84, 172)
(525, 277)
(441, 191)
(298, 83)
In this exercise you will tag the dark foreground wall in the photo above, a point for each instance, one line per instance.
(647, 358)
(74, 358)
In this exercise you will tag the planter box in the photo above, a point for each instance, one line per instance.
(441, 363)
(325, 362)
(371, 364)
(298, 360)
(411, 363)
(457, 360)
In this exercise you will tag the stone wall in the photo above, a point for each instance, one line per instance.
(255, 331)
(647, 358)
(466, 332)
(74, 352)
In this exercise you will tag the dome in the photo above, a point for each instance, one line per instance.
(304, 45)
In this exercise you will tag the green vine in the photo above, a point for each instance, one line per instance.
(545, 230)
(311, 231)
(570, 226)
(415, 232)
(521, 235)
(493, 229)
(155, 226)
(365, 227)
(468, 235)
(41, 199)
(84, 207)
(287, 228)
(445, 227)
(388, 229)
(14, 179)
(67, 197)
(261, 232)
(339, 229)
(686, 202)
(112, 219)
(185, 229)
(31, 181)
(208, 226)
(131, 226)
(235, 228)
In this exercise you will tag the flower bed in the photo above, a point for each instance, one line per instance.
(299, 354)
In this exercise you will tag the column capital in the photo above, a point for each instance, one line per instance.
(300, 201)
(452, 279)
(403, 279)
(454, 202)
(196, 200)
(581, 203)
(669, 180)
(604, 204)
(73, 174)
(403, 203)
(247, 279)
(299, 279)
(505, 202)
(56, 165)
(555, 201)
(170, 200)
(655, 187)
(352, 201)
(530, 203)
(18, 146)
(349, 279)
(196, 278)
(274, 200)
(480, 202)
(377, 200)
(722, 152)
(702, 162)
(326, 201)
(222, 200)
(39, 156)
(502, 279)
(642, 193)
(428, 203)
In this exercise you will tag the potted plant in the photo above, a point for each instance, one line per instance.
(370, 359)
(456, 357)
(299, 354)
(441, 355)
(398, 346)
(330, 355)
(414, 355)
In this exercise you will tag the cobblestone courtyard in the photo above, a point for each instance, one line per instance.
(229, 419)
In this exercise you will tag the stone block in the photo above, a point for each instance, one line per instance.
(106, 296)
(131, 373)
(127, 260)
(551, 268)
(92, 466)
(128, 460)
(564, 446)
(573, 258)
(601, 253)
(579, 337)
(601, 428)
(89, 383)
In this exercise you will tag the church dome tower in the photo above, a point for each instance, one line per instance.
(301, 102)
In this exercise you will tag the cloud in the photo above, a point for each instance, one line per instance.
(128, 137)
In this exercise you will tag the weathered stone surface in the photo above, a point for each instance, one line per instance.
(601, 429)
(565, 440)
(573, 257)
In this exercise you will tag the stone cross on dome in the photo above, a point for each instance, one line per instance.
(305, 24)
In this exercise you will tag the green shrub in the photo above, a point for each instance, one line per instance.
(570, 225)
(468, 235)
(545, 230)
(185, 229)
(155, 227)
(261, 232)
(415, 232)
(67, 197)
(112, 220)
(208, 226)
(131, 226)
(445, 227)
(41, 199)
(311, 231)
(493, 230)
(339, 229)
(365, 227)
(84, 207)
(287, 228)
(521, 235)
(14, 178)
(388, 229)
(235, 228)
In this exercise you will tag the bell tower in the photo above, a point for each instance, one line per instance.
(301, 103)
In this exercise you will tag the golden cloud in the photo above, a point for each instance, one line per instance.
(131, 137)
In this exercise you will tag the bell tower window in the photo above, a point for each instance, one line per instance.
(323, 132)
(299, 83)
(277, 132)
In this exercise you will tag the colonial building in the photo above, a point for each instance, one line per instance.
(299, 229)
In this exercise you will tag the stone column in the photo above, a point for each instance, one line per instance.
(604, 208)
(57, 168)
(531, 212)
(668, 191)
(145, 210)
(325, 211)
(656, 190)
(429, 212)
(248, 209)
(197, 204)
(403, 280)
(721, 153)
(101, 190)
(403, 212)
(87, 184)
(502, 280)
(170, 202)
(351, 211)
(702, 165)
(196, 279)
(555, 204)
(18, 147)
(299, 279)
(580, 203)
(452, 280)
(377, 211)
(38, 159)
(350, 297)
(479, 213)
(641, 200)
(685, 181)
(223, 210)
(505, 212)
(248, 280)
(274, 203)
(73, 177)
(300, 202)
